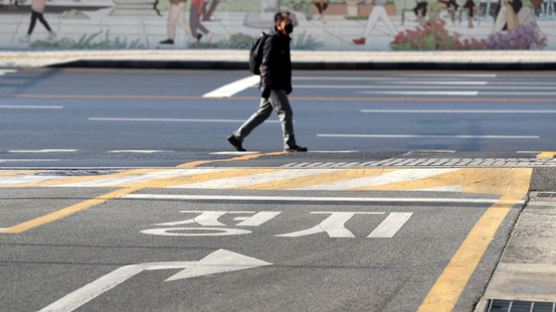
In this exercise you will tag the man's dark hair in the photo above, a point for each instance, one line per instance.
(278, 17)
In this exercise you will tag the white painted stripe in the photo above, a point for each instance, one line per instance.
(234, 153)
(234, 87)
(138, 151)
(386, 178)
(140, 177)
(336, 152)
(170, 120)
(487, 87)
(459, 111)
(518, 93)
(232, 182)
(24, 179)
(312, 199)
(32, 106)
(44, 151)
(27, 160)
(396, 77)
(7, 71)
(430, 136)
(391, 225)
(458, 93)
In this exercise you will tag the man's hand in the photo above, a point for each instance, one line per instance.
(266, 93)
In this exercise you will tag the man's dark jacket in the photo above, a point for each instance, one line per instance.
(276, 65)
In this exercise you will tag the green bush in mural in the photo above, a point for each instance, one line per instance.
(433, 36)
(86, 42)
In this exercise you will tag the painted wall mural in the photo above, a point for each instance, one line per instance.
(351, 25)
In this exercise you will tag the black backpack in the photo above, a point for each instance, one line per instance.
(256, 54)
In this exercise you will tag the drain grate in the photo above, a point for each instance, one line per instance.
(498, 305)
(547, 195)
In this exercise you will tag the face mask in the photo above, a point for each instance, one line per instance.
(288, 28)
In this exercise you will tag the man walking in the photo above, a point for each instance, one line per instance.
(276, 82)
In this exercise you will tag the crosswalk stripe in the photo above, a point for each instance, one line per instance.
(416, 181)
(320, 177)
(386, 178)
(22, 179)
(247, 181)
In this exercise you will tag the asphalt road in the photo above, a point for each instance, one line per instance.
(122, 117)
(342, 269)
(196, 227)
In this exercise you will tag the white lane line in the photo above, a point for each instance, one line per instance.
(488, 87)
(387, 178)
(234, 87)
(234, 153)
(140, 177)
(336, 152)
(7, 71)
(24, 179)
(396, 77)
(456, 93)
(390, 225)
(518, 93)
(138, 151)
(427, 136)
(459, 111)
(44, 151)
(312, 199)
(31, 106)
(27, 160)
(227, 183)
(171, 120)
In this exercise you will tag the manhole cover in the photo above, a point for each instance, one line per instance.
(498, 305)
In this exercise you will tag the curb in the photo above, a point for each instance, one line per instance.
(237, 59)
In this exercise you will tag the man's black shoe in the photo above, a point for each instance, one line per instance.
(296, 148)
(167, 41)
(236, 143)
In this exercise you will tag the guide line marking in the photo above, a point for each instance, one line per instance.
(312, 198)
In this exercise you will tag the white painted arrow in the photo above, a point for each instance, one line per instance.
(217, 262)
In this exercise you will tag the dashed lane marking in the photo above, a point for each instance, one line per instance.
(138, 151)
(200, 120)
(44, 151)
(31, 106)
(428, 136)
(458, 111)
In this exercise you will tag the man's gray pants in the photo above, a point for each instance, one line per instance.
(278, 100)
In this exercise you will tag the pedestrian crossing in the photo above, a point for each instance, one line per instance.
(471, 180)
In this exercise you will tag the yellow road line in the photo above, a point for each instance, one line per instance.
(445, 293)
(65, 212)
(546, 155)
(245, 157)
(133, 187)
(440, 180)
(316, 179)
